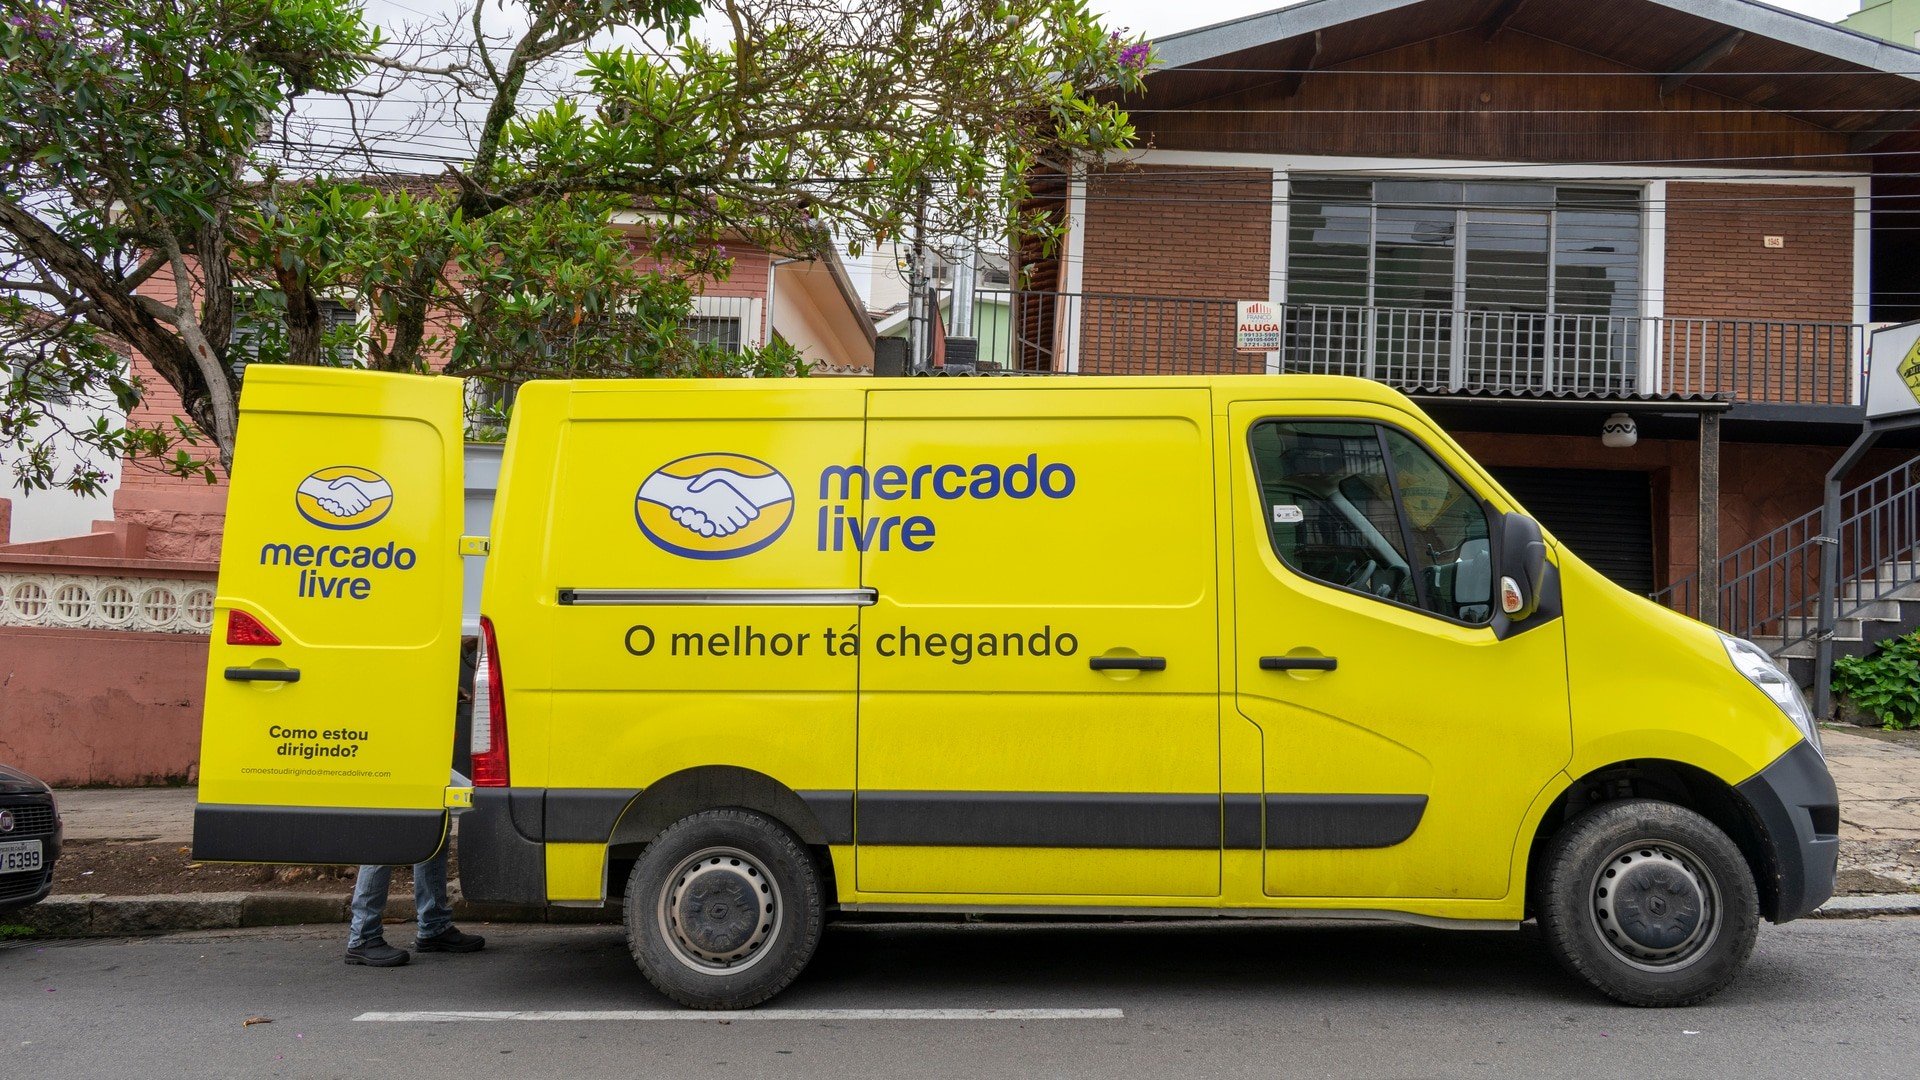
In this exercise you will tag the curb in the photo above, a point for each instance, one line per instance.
(95, 915)
(1869, 905)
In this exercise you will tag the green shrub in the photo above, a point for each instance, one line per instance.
(1887, 684)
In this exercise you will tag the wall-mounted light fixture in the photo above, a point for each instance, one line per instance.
(1619, 431)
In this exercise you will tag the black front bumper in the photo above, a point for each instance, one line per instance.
(1799, 811)
(23, 889)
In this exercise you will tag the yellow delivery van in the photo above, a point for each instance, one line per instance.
(758, 654)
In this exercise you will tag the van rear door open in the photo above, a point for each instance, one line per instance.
(331, 677)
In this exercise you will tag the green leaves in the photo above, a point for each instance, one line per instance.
(129, 130)
(575, 241)
(796, 125)
(1885, 684)
(58, 379)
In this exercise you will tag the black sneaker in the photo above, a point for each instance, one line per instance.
(451, 940)
(377, 953)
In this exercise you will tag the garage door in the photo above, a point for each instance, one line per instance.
(1606, 517)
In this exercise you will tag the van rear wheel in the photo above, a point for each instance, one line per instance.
(723, 910)
(1649, 902)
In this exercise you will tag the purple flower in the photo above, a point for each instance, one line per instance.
(1135, 56)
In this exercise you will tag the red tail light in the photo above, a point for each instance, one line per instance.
(489, 714)
(244, 629)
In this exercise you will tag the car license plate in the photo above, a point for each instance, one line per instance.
(19, 855)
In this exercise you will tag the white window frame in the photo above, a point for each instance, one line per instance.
(753, 334)
(1654, 179)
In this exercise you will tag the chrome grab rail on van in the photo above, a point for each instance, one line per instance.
(718, 597)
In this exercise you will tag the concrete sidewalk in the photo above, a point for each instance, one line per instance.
(128, 814)
(1879, 784)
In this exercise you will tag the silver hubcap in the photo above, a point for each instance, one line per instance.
(1655, 905)
(719, 911)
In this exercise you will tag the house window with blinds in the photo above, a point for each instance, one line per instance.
(1452, 285)
(255, 334)
(721, 330)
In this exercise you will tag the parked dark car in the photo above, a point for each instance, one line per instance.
(30, 832)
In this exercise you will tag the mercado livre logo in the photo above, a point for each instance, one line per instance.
(714, 505)
(343, 497)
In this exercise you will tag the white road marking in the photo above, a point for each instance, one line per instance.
(449, 1016)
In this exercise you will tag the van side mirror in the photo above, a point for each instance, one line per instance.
(1523, 566)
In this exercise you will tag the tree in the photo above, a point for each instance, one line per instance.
(127, 134)
(141, 143)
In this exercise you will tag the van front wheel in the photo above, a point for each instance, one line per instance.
(723, 910)
(1649, 902)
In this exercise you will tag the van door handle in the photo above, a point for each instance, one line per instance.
(1299, 663)
(264, 674)
(1127, 663)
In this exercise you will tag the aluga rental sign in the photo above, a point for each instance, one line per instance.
(1256, 326)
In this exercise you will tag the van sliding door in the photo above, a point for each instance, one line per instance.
(1038, 672)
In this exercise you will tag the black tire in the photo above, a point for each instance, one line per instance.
(1649, 902)
(687, 902)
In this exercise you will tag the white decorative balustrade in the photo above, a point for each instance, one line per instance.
(96, 602)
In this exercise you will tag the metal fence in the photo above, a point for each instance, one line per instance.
(726, 321)
(1770, 588)
(1444, 348)
(1764, 359)
(1465, 350)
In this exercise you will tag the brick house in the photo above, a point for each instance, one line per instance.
(1530, 215)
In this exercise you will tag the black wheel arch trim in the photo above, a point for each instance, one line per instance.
(818, 818)
(1799, 811)
(1783, 818)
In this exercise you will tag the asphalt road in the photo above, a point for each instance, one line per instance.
(1821, 998)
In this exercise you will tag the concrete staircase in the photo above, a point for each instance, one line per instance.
(1869, 620)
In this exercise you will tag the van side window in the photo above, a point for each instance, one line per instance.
(1451, 537)
(1329, 506)
(1366, 508)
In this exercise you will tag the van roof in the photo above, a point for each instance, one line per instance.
(1333, 387)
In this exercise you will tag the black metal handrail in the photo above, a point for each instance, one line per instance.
(1770, 588)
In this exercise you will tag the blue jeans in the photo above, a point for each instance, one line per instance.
(430, 901)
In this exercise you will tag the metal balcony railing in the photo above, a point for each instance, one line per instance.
(1444, 349)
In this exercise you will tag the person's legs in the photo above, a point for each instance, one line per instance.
(366, 944)
(437, 932)
(369, 904)
(430, 901)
